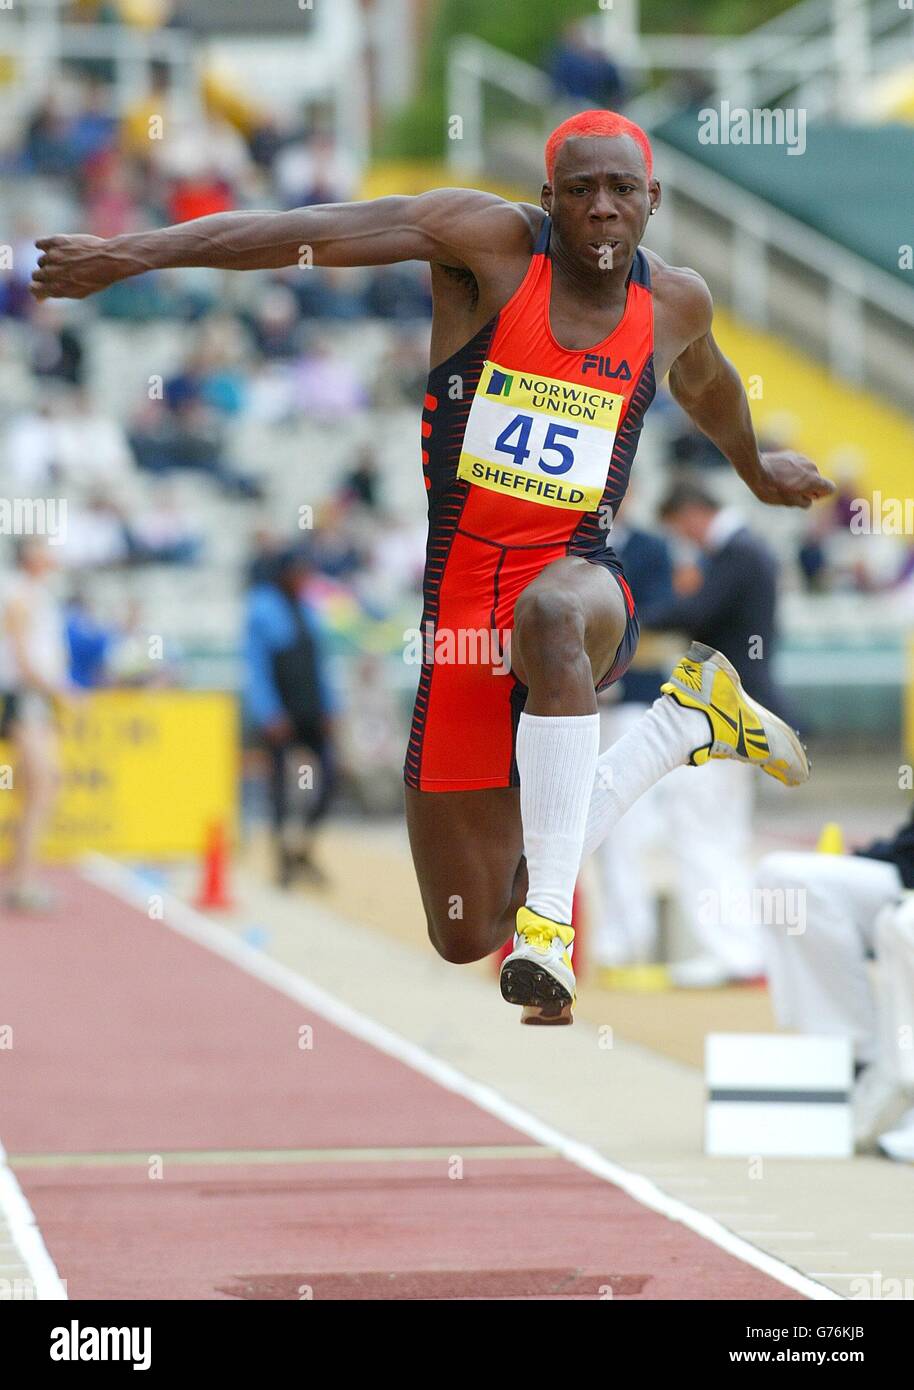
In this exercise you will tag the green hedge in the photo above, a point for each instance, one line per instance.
(528, 28)
(709, 16)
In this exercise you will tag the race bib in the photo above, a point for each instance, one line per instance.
(535, 437)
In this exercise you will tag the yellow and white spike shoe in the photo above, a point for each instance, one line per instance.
(740, 727)
(538, 974)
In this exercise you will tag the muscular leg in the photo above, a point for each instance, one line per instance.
(468, 846)
(468, 851)
(569, 624)
(568, 621)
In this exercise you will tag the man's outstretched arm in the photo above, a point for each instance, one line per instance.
(453, 226)
(710, 391)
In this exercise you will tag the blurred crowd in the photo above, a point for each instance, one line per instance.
(272, 357)
(270, 352)
(824, 551)
(153, 473)
(156, 472)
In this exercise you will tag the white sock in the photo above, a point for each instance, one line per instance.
(556, 758)
(662, 740)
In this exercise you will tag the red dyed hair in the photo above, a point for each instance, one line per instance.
(596, 123)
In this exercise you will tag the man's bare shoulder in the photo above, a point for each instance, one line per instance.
(478, 222)
(681, 292)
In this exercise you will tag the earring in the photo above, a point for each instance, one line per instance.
(653, 210)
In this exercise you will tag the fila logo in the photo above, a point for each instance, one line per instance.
(595, 362)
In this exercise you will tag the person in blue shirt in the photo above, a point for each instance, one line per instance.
(89, 643)
(289, 703)
(582, 70)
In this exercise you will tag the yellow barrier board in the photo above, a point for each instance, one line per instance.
(143, 773)
(908, 715)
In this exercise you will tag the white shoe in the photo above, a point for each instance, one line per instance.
(876, 1100)
(898, 1143)
(538, 974)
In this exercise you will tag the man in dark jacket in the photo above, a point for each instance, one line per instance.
(625, 911)
(710, 822)
(734, 609)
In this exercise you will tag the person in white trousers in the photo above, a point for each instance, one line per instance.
(713, 878)
(705, 824)
(818, 964)
(895, 990)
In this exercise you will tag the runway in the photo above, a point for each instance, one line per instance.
(188, 1117)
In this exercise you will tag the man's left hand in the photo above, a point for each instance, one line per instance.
(791, 480)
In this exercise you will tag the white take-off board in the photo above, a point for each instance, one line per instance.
(778, 1096)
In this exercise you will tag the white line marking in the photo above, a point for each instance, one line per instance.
(824, 1254)
(27, 1238)
(121, 882)
(782, 1235)
(738, 1215)
(728, 1197)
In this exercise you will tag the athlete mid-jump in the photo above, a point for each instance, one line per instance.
(551, 328)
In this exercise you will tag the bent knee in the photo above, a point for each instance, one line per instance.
(548, 640)
(550, 615)
(461, 943)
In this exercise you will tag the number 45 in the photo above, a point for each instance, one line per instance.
(521, 425)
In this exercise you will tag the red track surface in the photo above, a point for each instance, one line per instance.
(129, 1038)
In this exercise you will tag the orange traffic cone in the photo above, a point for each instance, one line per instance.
(213, 895)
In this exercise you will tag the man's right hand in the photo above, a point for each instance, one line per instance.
(72, 267)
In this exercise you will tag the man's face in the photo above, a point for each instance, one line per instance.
(690, 523)
(600, 197)
(38, 559)
(294, 580)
